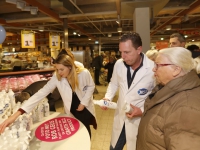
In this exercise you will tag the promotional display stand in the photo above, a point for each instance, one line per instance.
(59, 132)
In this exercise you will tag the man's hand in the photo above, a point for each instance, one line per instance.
(80, 107)
(103, 107)
(135, 113)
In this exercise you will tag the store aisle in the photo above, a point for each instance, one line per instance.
(100, 137)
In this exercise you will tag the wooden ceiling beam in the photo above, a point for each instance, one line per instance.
(45, 10)
(3, 22)
(181, 13)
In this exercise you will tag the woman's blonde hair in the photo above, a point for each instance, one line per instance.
(152, 54)
(179, 56)
(72, 77)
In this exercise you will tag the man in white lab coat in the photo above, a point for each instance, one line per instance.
(133, 77)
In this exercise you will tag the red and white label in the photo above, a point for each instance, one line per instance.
(57, 129)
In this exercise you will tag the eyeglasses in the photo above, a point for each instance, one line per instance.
(156, 66)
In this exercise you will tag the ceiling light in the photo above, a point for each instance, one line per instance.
(109, 34)
(34, 10)
(89, 38)
(161, 38)
(119, 29)
(193, 40)
(41, 28)
(74, 33)
(79, 34)
(168, 27)
(118, 19)
(96, 42)
(185, 36)
(20, 4)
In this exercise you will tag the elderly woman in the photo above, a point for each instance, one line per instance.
(171, 117)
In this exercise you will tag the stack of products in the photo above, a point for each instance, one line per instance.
(18, 135)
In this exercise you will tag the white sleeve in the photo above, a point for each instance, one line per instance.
(42, 93)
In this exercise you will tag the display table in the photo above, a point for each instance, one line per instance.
(79, 140)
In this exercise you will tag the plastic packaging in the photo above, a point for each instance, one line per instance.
(105, 103)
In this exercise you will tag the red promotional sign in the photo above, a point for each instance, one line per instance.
(57, 129)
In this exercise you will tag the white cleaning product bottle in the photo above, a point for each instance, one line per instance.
(128, 108)
(11, 95)
(46, 108)
(105, 103)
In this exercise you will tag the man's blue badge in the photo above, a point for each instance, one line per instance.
(142, 91)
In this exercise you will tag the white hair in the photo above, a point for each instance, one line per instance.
(197, 64)
(179, 56)
(152, 54)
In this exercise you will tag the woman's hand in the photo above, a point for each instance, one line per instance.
(80, 107)
(9, 121)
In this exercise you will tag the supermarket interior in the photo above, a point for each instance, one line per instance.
(34, 32)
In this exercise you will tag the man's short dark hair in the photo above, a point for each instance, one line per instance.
(180, 37)
(22, 97)
(134, 37)
(193, 47)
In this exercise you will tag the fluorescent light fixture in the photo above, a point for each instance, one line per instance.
(20, 4)
(34, 10)
(119, 29)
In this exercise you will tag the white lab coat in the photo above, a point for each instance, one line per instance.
(84, 93)
(142, 83)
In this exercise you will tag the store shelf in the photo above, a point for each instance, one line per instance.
(6, 74)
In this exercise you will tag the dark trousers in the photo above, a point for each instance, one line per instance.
(121, 141)
(96, 76)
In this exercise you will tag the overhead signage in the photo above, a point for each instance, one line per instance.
(27, 39)
(54, 40)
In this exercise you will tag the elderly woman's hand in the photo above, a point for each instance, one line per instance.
(135, 113)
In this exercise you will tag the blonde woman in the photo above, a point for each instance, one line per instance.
(76, 88)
